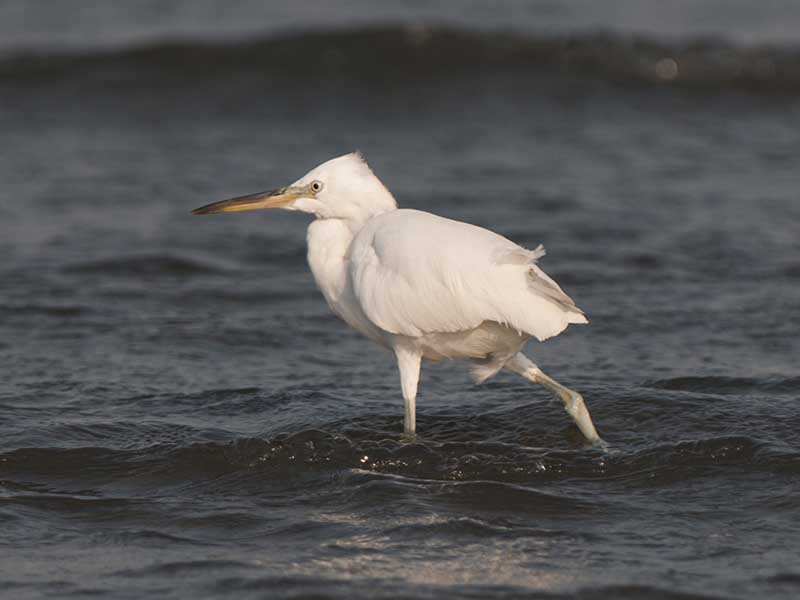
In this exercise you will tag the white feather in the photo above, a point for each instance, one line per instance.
(415, 273)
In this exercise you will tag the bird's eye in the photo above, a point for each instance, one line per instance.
(316, 186)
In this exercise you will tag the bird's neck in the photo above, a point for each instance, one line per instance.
(328, 243)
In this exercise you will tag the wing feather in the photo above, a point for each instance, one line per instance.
(415, 273)
(542, 284)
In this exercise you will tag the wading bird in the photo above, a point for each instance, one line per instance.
(421, 285)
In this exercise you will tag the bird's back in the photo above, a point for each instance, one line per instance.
(415, 273)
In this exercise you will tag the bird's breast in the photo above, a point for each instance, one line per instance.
(328, 242)
(328, 250)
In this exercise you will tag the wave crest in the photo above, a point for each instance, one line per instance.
(318, 453)
(395, 52)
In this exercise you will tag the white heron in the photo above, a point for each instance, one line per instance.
(422, 285)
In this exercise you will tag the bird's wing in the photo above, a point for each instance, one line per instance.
(415, 273)
(543, 285)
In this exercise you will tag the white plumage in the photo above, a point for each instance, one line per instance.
(414, 273)
(422, 285)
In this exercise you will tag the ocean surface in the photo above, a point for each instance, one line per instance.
(181, 416)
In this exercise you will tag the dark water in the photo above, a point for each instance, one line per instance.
(181, 416)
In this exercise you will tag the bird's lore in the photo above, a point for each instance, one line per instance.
(422, 285)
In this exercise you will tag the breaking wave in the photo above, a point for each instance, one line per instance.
(397, 52)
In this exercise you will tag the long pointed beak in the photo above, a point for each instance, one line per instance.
(279, 198)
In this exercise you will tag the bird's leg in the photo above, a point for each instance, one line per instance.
(408, 362)
(573, 401)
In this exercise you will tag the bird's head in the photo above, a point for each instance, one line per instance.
(341, 188)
